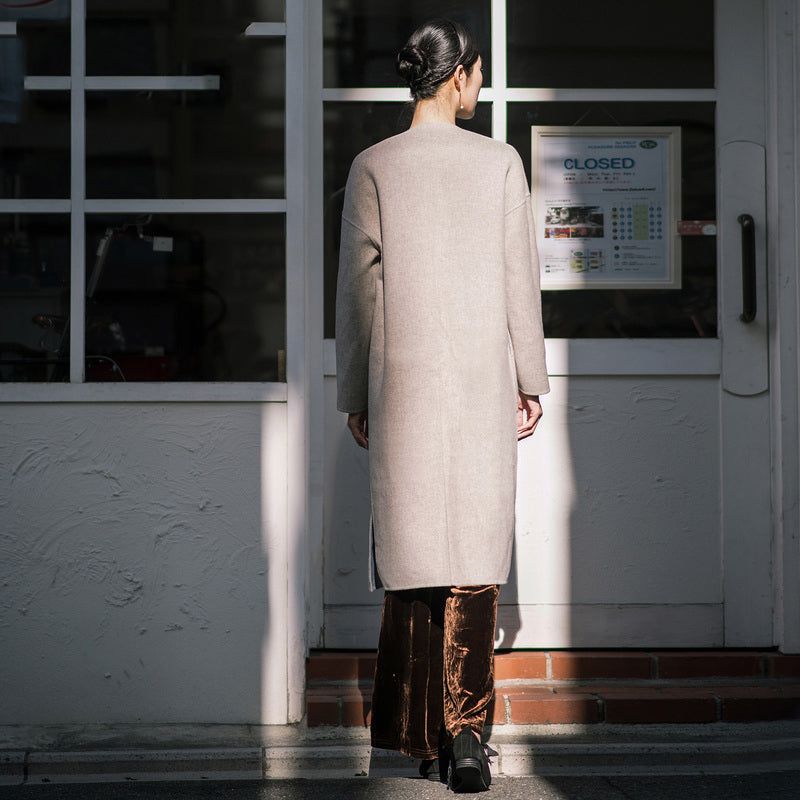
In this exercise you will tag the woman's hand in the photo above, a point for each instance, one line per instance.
(527, 405)
(357, 422)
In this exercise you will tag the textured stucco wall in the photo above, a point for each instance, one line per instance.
(143, 562)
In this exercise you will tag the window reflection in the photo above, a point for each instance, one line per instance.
(625, 44)
(348, 129)
(192, 144)
(361, 40)
(34, 145)
(34, 297)
(690, 311)
(223, 141)
(34, 126)
(185, 297)
(40, 45)
(174, 37)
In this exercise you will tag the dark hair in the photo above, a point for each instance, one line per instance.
(432, 53)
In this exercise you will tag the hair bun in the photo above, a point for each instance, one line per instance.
(412, 64)
(431, 54)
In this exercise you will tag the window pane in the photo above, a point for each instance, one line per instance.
(174, 37)
(687, 312)
(34, 145)
(194, 144)
(225, 142)
(41, 46)
(34, 297)
(624, 44)
(186, 297)
(348, 129)
(361, 40)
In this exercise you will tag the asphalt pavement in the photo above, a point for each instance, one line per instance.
(756, 786)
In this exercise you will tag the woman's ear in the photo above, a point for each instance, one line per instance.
(459, 77)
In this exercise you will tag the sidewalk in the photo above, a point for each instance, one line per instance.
(777, 786)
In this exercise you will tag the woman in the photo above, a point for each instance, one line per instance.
(440, 363)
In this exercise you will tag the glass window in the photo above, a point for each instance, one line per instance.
(40, 46)
(348, 129)
(185, 297)
(177, 37)
(34, 297)
(34, 144)
(169, 296)
(361, 40)
(189, 144)
(624, 44)
(686, 312)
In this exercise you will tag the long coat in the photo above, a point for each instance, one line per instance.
(438, 323)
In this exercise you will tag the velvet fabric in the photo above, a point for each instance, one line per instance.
(434, 673)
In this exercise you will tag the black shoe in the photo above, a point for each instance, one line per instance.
(443, 748)
(435, 769)
(468, 766)
(429, 768)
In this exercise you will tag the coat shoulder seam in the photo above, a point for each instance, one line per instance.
(358, 227)
(522, 203)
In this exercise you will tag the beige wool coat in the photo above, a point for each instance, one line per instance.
(438, 321)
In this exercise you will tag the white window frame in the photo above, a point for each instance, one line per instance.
(78, 206)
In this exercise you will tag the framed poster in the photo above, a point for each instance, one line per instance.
(606, 202)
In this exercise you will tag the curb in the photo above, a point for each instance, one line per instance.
(536, 751)
(128, 766)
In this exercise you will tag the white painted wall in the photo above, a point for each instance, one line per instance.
(143, 562)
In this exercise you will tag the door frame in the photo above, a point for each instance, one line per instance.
(782, 34)
(740, 47)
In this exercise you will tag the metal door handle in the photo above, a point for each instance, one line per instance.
(748, 267)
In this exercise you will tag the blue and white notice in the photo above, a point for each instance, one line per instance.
(604, 214)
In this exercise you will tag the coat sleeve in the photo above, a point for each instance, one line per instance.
(523, 295)
(356, 285)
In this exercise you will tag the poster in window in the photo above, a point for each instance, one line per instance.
(606, 200)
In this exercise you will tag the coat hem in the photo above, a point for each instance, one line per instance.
(372, 564)
(469, 582)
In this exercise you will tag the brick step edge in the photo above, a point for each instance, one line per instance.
(520, 705)
(328, 665)
(359, 761)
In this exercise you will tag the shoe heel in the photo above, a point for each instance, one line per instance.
(467, 771)
(468, 776)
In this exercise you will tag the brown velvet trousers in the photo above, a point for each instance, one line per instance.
(434, 673)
